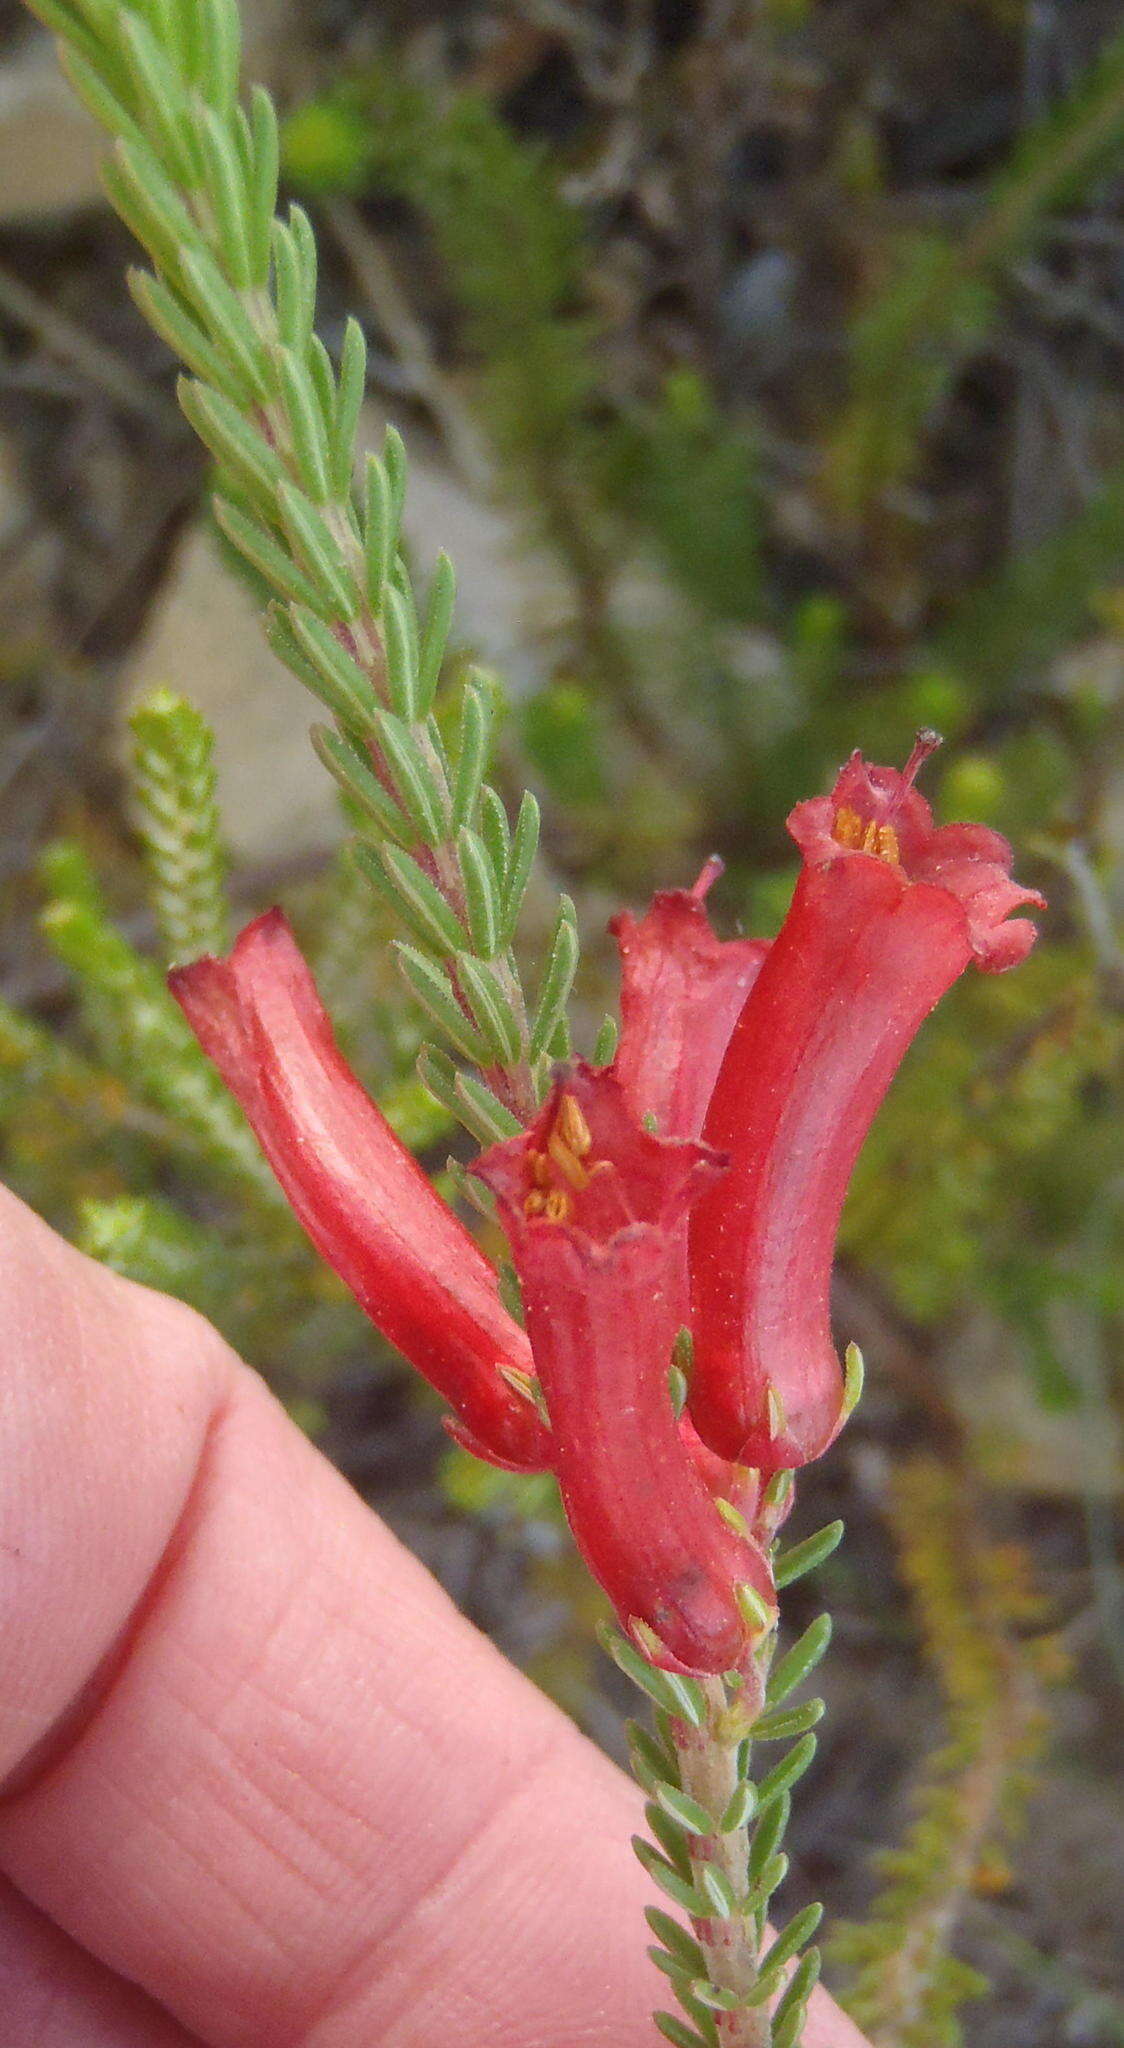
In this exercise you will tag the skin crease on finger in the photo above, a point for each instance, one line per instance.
(299, 1799)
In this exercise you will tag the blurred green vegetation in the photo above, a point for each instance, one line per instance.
(789, 467)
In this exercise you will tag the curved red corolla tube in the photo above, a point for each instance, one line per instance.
(358, 1192)
(887, 913)
(591, 1204)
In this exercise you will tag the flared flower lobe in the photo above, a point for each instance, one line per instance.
(887, 913)
(360, 1195)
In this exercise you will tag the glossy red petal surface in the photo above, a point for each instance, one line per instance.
(357, 1191)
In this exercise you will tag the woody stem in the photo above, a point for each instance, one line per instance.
(709, 1771)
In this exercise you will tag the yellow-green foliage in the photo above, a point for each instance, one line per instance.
(174, 785)
(977, 1614)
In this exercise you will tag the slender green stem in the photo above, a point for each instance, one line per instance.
(709, 1771)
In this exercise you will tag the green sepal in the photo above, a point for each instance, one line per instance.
(430, 986)
(792, 1564)
(413, 779)
(521, 860)
(358, 780)
(481, 894)
(491, 1008)
(797, 1663)
(558, 978)
(605, 1046)
(422, 907)
(788, 1721)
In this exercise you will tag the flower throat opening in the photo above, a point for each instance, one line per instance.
(560, 1171)
(867, 831)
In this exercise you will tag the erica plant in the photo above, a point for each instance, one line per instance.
(661, 1342)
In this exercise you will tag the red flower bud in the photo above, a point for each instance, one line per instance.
(888, 911)
(360, 1195)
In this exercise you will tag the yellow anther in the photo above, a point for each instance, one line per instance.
(568, 1164)
(572, 1128)
(538, 1169)
(848, 828)
(558, 1206)
(866, 835)
(535, 1203)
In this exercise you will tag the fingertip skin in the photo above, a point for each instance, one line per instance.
(107, 1393)
(309, 1807)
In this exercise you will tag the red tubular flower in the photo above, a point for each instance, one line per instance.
(592, 1203)
(887, 913)
(682, 991)
(360, 1195)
